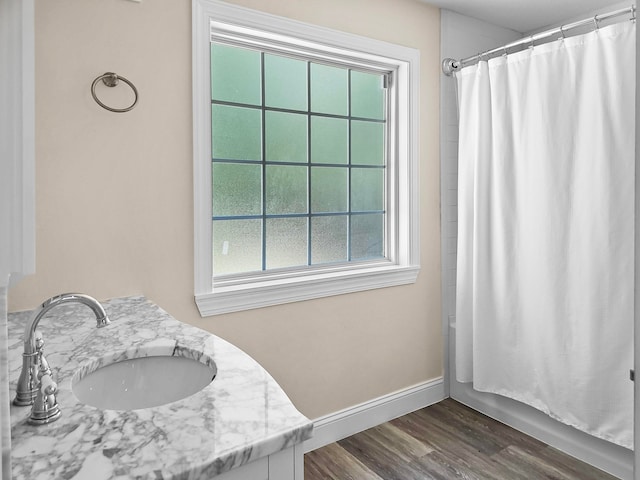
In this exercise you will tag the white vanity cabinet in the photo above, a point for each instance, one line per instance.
(287, 464)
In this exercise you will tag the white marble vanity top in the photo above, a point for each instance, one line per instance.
(241, 416)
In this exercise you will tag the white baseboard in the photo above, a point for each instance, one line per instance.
(335, 426)
(338, 425)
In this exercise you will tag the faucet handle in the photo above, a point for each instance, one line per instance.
(39, 339)
(42, 363)
(45, 407)
(47, 385)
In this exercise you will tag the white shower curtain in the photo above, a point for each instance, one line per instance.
(544, 310)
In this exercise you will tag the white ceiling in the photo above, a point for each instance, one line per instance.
(524, 15)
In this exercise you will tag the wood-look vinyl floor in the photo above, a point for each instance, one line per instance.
(444, 441)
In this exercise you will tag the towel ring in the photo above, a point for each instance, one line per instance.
(111, 79)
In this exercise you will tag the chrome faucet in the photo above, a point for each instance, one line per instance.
(35, 385)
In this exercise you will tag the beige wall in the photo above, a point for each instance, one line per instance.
(114, 195)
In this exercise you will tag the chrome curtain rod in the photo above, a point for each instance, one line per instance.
(449, 65)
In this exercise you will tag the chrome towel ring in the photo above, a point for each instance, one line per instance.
(111, 79)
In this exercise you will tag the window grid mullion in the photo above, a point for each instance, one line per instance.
(309, 253)
(269, 216)
(263, 157)
(276, 162)
(349, 217)
(289, 110)
(295, 215)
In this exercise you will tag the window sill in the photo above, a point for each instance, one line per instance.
(266, 293)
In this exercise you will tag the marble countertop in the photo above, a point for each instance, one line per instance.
(241, 416)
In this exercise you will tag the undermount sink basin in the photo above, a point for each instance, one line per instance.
(142, 382)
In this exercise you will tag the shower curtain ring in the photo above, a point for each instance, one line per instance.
(562, 32)
(531, 44)
(595, 22)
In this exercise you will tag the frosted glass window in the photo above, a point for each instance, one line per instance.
(367, 189)
(329, 189)
(286, 137)
(285, 82)
(236, 133)
(235, 74)
(329, 239)
(286, 243)
(329, 89)
(329, 140)
(298, 162)
(237, 246)
(367, 95)
(367, 143)
(286, 189)
(237, 189)
(367, 236)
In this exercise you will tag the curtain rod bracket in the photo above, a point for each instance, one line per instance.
(450, 66)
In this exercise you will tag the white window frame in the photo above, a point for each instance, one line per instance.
(264, 289)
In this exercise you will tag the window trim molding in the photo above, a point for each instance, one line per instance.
(405, 244)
